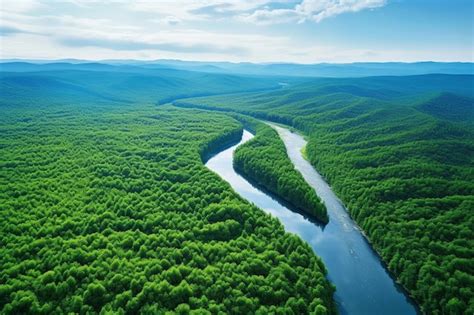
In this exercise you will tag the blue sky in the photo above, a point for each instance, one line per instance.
(304, 31)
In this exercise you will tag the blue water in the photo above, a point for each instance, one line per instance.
(363, 284)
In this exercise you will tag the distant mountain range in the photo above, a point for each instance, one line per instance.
(361, 69)
(95, 83)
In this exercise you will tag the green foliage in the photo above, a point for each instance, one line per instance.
(95, 295)
(264, 160)
(401, 161)
(449, 106)
(108, 208)
(119, 85)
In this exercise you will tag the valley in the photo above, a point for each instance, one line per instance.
(363, 284)
(404, 173)
(302, 157)
(116, 211)
(109, 206)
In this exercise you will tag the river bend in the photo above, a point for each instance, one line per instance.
(363, 284)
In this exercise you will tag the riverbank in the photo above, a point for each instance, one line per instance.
(283, 132)
(364, 286)
(264, 160)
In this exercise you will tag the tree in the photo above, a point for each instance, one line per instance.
(95, 295)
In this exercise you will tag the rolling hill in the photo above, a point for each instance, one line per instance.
(398, 151)
(122, 84)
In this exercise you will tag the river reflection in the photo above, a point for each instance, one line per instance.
(363, 284)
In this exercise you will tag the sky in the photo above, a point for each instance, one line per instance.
(303, 31)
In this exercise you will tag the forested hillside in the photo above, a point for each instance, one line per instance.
(398, 151)
(264, 161)
(335, 70)
(100, 83)
(107, 207)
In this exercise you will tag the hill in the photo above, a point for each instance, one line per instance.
(107, 207)
(450, 107)
(335, 70)
(398, 151)
(122, 84)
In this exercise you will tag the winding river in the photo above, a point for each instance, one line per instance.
(363, 284)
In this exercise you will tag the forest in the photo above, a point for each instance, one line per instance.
(108, 208)
(398, 152)
(264, 161)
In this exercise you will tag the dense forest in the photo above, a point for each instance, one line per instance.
(107, 207)
(23, 83)
(398, 151)
(264, 161)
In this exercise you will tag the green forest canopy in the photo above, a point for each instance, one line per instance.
(265, 162)
(75, 145)
(107, 207)
(398, 151)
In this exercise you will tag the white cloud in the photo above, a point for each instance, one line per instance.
(318, 10)
(267, 17)
(177, 8)
(68, 36)
(309, 10)
(200, 10)
(171, 20)
(19, 5)
(190, 30)
(85, 33)
(260, 12)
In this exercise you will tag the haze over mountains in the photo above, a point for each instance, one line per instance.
(359, 69)
(396, 149)
(237, 157)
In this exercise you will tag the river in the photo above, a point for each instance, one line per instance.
(363, 284)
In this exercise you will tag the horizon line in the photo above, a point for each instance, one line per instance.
(33, 60)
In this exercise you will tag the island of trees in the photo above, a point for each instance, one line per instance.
(107, 207)
(398, 151)
(265, 162)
